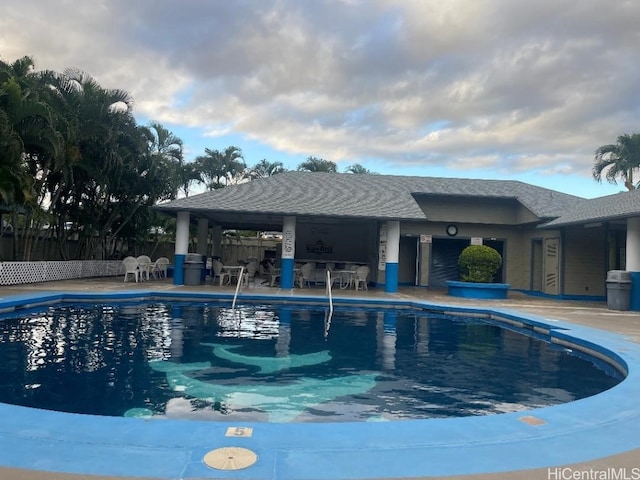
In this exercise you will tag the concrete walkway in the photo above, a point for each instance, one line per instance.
(591, 314)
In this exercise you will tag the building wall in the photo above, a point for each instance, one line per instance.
(516, 249)
(336, 242)
(584, 261)
(475, 210)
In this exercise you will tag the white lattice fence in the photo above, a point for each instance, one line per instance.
(62, 270)
(101, 268)
(16, 273)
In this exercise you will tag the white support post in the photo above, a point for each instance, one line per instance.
(182, 247)
(392, 255)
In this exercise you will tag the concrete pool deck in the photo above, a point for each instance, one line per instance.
(578, 313)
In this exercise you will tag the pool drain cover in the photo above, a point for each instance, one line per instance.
(230, 458)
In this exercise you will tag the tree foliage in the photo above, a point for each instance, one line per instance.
(356, 168)
(74, 162)
(314, 164)
(264, 169)
(618, 161)
(219, 169)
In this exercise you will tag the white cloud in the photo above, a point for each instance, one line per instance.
(499, 84)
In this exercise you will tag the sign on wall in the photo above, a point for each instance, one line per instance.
(319, 248)
(426, 239)
(336, 243)
(382, 247)
(288, 242)
(476, 240)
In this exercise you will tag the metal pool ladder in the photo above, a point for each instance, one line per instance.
(235, 295)
(327, 320)
(329, 290)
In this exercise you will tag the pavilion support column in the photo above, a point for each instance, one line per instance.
(391, 257)
(633, 260)
(182, 247)
(203, 243)
(288, 252)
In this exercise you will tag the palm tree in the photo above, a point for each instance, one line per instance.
(71, 151)
(12, 174)
(188, 174)
(26, 128)
(167, 149)
(27, 134)
(313, 164)
(619, 160)
(163, 142)
(264, 169)
(219, 169)
(357, 168)
(99, 130)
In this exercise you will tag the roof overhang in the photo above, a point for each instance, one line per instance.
(262, 221)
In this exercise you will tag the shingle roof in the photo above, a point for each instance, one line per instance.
(364, 195)
(619, 205)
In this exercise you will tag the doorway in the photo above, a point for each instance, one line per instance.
(408, 263)
(444, 260)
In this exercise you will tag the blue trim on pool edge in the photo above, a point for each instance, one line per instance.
(594, 427)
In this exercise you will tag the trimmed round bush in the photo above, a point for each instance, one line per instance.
(479, 263)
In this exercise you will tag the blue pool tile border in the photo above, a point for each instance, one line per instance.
(583, 430)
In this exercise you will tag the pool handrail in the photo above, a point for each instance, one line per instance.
(235, 295)
(330, 294)
(329, 290)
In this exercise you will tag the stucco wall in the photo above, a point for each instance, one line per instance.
(476, 210)
(584, 265)
(337, 242)
(516, 248)
(532, 268)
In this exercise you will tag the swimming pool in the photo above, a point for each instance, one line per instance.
(592, 427)
(283, 363)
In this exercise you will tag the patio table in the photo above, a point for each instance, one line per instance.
(233, 271)
(345, 277)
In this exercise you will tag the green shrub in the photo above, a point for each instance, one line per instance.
(479, 263)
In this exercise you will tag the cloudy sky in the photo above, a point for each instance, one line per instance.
(502, 89)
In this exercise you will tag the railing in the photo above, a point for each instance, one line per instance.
(240, 280)
(329, 290)
(327, 318)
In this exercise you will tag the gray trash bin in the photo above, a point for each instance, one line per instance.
(618, 290)
(193, 266)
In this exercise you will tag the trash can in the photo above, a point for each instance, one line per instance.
(193, 267)
(618, 290)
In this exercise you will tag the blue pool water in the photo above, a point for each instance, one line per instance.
(282, 363)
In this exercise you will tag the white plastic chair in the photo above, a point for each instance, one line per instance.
(131, 267)
(361, 277)
(250, 272)
(274, 274)
(307, 275)
(146, 266)
(223, 277)
(160, 267)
